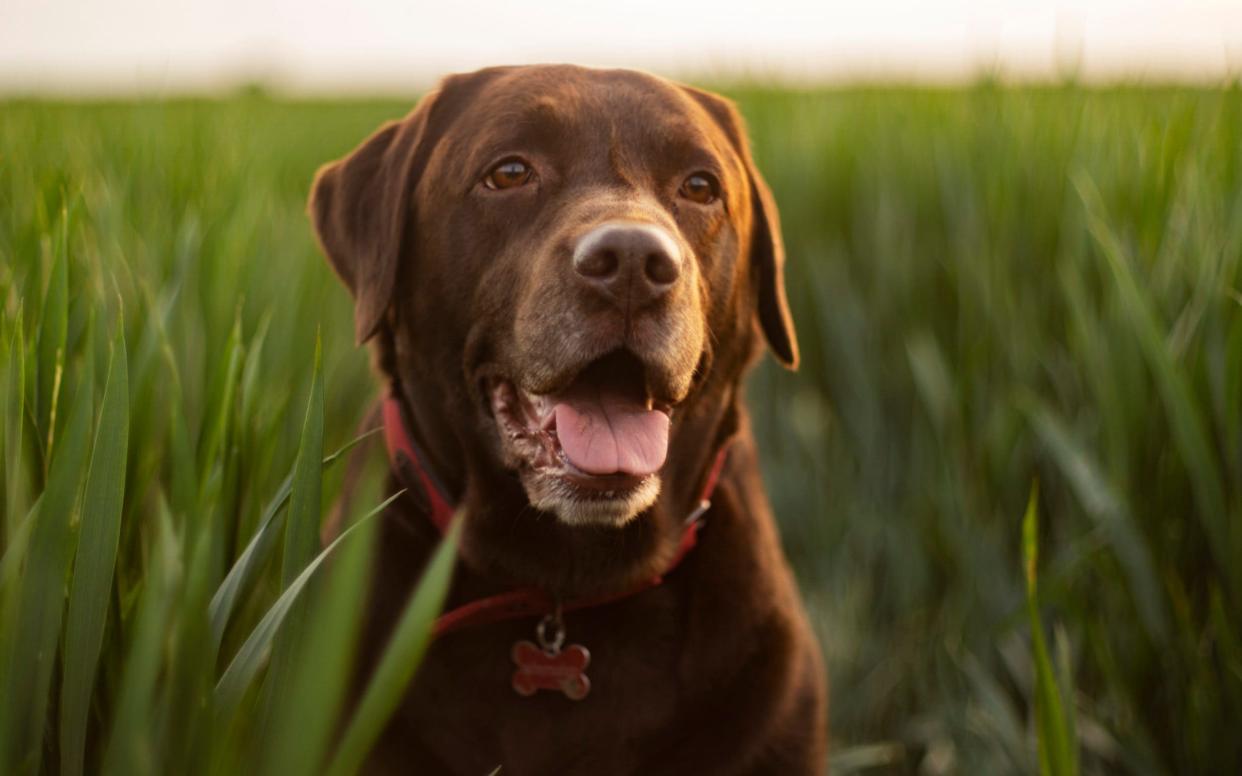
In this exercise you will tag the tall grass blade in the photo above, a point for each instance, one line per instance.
(1058, 749)
(14, 422)
(182, 461)
(251, 371)
(185, 731)
(132, 749)
(217, 434)
(1101, 502)
(249, 658)
(15, 551)
(302, 525)
(10, 600)
(301, 538)
(401, 658)
(42, 601)
(1185, 417)
(303, 718)
(260, 546)
(99, 534)
(53, 330)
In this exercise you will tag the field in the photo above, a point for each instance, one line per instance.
(993, 287)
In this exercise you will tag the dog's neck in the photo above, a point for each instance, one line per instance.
(508, 541)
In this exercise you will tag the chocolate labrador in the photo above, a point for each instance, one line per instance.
(564, 274)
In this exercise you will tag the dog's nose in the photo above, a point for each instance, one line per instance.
(631, 263)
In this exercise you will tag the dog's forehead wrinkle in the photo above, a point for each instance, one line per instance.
(620, 167)
(533, 115)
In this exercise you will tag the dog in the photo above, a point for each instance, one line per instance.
(564, 274)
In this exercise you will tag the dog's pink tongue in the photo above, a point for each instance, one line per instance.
(603, 431)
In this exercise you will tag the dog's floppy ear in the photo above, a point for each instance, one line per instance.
(361, 209)
(767, 250)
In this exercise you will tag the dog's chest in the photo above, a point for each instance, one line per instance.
(464, 701)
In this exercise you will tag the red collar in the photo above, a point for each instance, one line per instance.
(405, 459)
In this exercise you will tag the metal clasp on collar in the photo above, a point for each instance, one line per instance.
(697, 513)
(550, 641)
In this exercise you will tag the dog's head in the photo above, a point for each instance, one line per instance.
(565, 262)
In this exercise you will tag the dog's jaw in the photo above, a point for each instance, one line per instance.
(552, 493)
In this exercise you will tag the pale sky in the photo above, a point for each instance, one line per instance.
(168, 46)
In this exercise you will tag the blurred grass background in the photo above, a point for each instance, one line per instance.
(991, 284)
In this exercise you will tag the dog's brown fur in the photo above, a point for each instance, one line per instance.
(714, 672)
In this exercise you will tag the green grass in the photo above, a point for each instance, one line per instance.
(991, 286)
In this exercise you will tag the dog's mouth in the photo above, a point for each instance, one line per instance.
(603, 437)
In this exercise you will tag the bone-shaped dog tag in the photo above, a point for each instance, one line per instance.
(563, 670)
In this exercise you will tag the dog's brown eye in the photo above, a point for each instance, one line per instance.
(701, 188)
(509, 174)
